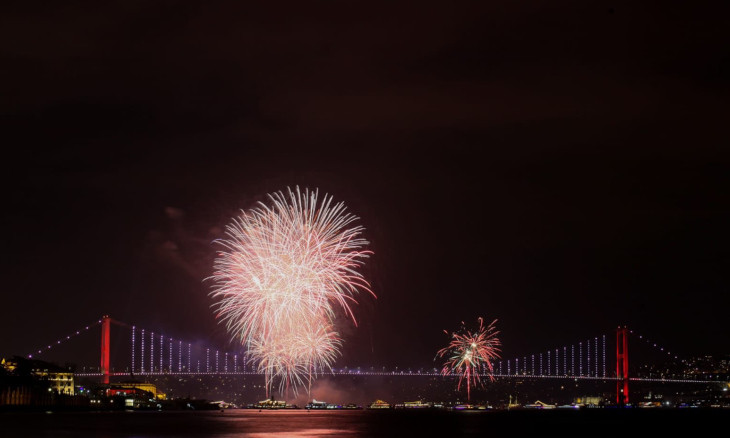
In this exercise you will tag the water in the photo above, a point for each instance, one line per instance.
(403, 424)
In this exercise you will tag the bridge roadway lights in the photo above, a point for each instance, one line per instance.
(622, 366)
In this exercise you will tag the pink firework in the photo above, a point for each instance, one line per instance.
(470, 354)
(284, 268)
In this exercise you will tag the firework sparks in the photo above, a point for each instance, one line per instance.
(284, 268)
(471, 354)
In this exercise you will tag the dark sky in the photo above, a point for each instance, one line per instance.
(560, 166)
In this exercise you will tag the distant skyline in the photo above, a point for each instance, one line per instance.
(560, 168)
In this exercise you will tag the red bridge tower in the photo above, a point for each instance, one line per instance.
(105, 330)
(622, 366)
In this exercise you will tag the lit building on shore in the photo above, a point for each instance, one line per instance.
(134, 388)
(60, 380)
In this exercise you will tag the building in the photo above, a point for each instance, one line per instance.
(588, 400)
(134, 388)
(60, 380)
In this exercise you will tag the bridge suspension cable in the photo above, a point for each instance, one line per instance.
(590, 358)
(62, 340)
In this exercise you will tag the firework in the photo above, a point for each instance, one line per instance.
(471, 354)
(284, 269)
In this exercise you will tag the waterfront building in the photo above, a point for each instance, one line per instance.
(588, 400)
(134, 388)
(60, 380)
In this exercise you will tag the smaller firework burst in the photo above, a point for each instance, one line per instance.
(470, 354)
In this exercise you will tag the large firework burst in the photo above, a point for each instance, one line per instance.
(284, 268)
(471, 354)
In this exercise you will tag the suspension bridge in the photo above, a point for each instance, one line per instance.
(154, 354)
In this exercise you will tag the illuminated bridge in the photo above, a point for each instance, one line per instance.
(154, 354)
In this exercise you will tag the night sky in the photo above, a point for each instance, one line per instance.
(560, 166)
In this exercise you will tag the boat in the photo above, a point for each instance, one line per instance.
(315, 404)
(539, 405)
(418, 404)
(270, 403)
(379, 404)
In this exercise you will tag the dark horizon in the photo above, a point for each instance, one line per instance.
(561, 168)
